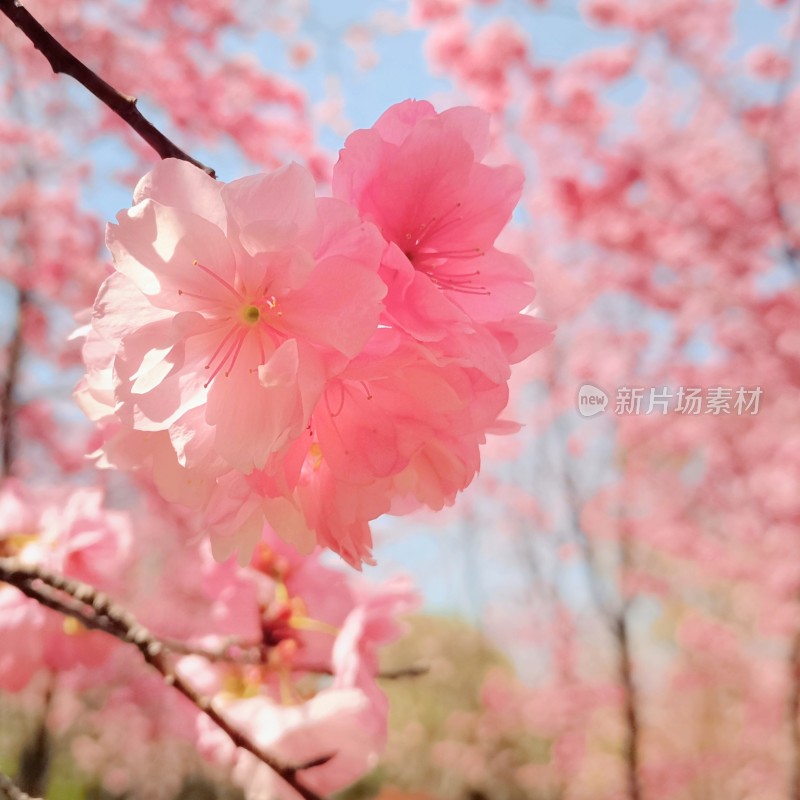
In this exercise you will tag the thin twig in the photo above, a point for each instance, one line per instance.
(10, 791)
(237, 651)
(63, 61)
(414, 671)
(96, 610)
(229, 650)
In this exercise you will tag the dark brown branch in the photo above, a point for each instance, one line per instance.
(621, 630)
(33, 769)
(96, 610)
(414, 671)
(62, 61)
(631, 752)
(616, 614)
(8, 410)
(10, 791)
(794, 715)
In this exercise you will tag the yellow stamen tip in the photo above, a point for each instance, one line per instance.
(72, 627)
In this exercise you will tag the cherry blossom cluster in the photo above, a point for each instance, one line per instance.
(301, 363)
(286, 649)
(71, 533)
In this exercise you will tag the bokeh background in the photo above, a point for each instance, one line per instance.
(612, 608)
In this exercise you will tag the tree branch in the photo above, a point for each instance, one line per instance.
(794, 715)
(8, 410)
(10, 791)
(62, 61)
(35, 760)
(621, 631)
(631, 751)
(96, 610)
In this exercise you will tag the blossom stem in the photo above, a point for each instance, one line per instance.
(63, 61)
(96, 610)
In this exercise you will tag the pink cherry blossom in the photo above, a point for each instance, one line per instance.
(419, 177)
(329, 724)
(768, 64)
(372, 623)
(237, 300)
(395, 431)
(70, 533)
(241, 352)
(423, 11)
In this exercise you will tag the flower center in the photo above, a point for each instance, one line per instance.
(251, 314)
(421, 249)
(243, 318)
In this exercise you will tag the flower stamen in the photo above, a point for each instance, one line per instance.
(231, 353)
(436, 224)
(218, 279)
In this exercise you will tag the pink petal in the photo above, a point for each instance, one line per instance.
(157, 246)
(174, 182)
